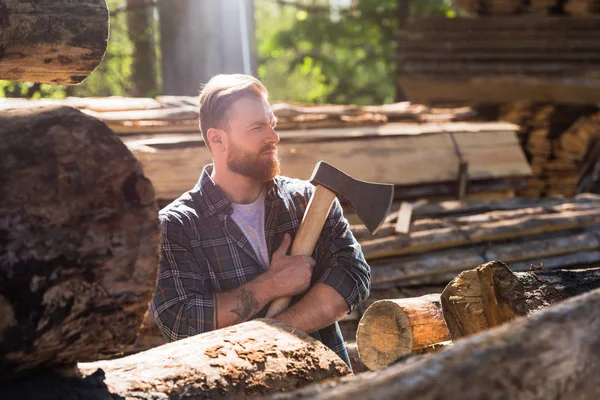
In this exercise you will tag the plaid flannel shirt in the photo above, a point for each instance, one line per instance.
(204, 252)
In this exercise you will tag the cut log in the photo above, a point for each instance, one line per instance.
(390, 329)
(58, 42)
(79, 230)
(491, 294)
(552, 354)
(251, 359)
(244, 361)
(357, 364)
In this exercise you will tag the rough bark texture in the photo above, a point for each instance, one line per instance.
(390, 329)
(52, 41)
(554, 354)
(248, 360)
(78, 240)
(492, 294)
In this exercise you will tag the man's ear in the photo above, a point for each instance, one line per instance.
(215, 137)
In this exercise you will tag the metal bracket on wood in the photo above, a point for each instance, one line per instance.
(463, 171)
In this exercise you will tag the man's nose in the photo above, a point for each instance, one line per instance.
(273, 136)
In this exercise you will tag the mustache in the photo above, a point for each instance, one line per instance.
(268, 147)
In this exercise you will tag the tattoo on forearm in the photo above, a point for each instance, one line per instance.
(247, 305)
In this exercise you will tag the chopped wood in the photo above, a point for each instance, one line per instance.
(491, 294)
(551, 354)
(57, 42)
(79, 234)
(392, 328)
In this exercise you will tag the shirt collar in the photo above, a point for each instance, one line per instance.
(212, 199)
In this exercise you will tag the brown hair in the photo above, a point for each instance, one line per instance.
(219, 94)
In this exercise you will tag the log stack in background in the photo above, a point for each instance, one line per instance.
(557, 140)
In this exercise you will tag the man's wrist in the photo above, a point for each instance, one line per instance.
(264, 287)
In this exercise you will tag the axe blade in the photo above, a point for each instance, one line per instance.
(371, 201)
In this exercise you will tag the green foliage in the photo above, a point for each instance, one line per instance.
(311, 51)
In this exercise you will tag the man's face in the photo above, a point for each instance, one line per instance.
(252, 141)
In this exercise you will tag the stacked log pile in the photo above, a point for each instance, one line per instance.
(450, 237)
(557, 140)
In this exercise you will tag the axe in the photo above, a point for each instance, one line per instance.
(371, 201)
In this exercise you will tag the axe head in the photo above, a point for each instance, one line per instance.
(371, 201)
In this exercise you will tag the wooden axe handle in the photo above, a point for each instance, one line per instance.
(308, 233)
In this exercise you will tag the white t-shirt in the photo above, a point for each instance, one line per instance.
(250, 218)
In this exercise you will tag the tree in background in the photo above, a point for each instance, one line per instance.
(333, 51)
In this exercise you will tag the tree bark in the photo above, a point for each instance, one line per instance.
(552, 354)
(52, 41)
(390, 329)
(492, 294)
(79, 230)
(249, 360)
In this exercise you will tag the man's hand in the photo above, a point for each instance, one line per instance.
(289, 275)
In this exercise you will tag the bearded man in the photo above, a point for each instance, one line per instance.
(224, 243)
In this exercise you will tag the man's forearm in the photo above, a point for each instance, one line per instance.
(321, 306)
(242, 303)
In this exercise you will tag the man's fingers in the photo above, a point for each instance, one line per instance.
(311, 261)
(284, 246)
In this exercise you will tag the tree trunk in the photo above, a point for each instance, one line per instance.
(390, 329)
(79, 230)
(221, 34)
(551, 355)
(248, 360)
(52, 41)
(139, 24)
(492, 294)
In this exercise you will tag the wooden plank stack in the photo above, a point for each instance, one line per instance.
(500, 59)
(392, 143)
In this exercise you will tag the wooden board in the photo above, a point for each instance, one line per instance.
(402, 158)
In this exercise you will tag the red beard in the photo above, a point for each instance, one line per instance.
(256, 166)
